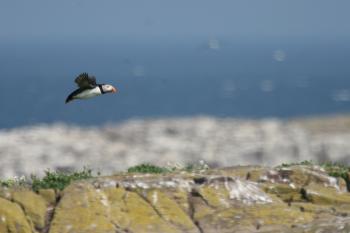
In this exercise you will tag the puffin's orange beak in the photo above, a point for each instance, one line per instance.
(114, 90)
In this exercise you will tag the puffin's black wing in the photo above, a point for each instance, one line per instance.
(85, 81)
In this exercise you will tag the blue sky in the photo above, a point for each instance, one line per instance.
(66, 19)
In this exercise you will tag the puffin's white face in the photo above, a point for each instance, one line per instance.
(109, 88)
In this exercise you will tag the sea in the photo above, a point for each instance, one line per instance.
(156, 78)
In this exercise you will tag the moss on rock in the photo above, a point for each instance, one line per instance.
(34, 206)
(170, 211)
(12, 218)
(49, 195)
(81, 210)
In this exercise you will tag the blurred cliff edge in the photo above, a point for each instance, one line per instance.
(163, 141)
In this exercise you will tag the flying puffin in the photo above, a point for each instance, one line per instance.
(88, 88)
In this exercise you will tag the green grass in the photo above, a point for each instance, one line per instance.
(305, 162)
(58, 180)
(148, 168)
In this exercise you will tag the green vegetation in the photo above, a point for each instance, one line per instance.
(16, 181)
(338, 170)
(58, 180)
(148, 168)
(51, 180)
(305, 162)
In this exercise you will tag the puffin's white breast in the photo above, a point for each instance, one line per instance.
(89, 93)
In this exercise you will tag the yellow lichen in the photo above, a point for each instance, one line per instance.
(12, 218)
(81, 210)
(129, 211)
(170, 211)
(180, 196)
(319, 194)
(284, 192)
(250, 216)
(49, 195)
(138, 209)
(34, 206)
(252, 173)
(216, 196)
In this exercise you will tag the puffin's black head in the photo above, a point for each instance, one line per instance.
(108, 88)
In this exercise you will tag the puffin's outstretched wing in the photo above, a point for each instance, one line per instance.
(85, 82)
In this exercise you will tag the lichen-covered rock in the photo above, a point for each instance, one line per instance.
(136, 208)
(170, 211)
(238, 199)
(253, 217)
(106, 210)
(12, 218)
(34, 206)
(325, 224)
(49, 195)
(81, 210)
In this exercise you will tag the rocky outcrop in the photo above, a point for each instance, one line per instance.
(28, 210)
(237, 199)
